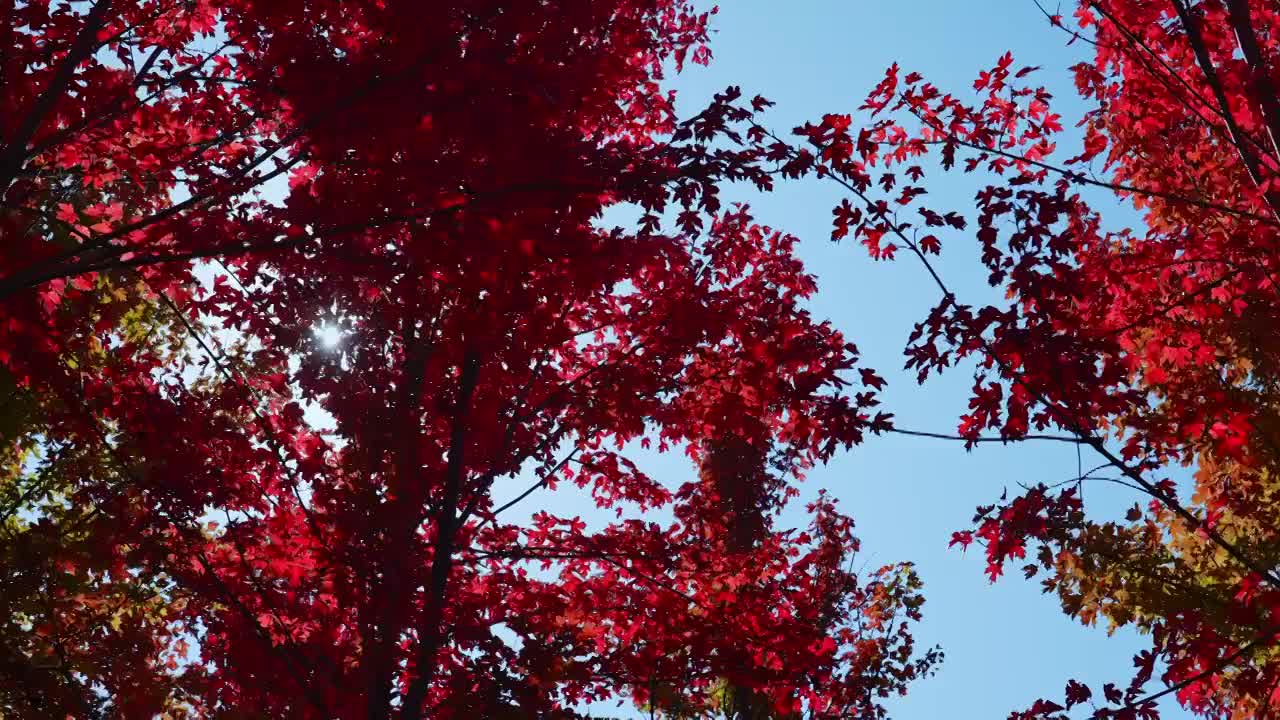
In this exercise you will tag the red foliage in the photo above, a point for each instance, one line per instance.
(447, 167)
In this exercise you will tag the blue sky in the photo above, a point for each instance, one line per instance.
(1006, 644)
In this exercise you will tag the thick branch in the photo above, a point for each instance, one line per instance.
(383, 624)
(1215, 84)
(14, 155)
(1242, 24)
(442, 556)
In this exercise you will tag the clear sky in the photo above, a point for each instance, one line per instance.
(1006, 644)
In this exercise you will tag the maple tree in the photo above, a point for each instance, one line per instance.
(208, 510)
(188, 190)
(1150, 347)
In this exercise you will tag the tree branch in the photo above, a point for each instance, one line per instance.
(442, 556)
(14, 155)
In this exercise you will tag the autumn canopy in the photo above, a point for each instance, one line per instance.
(292, 294)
